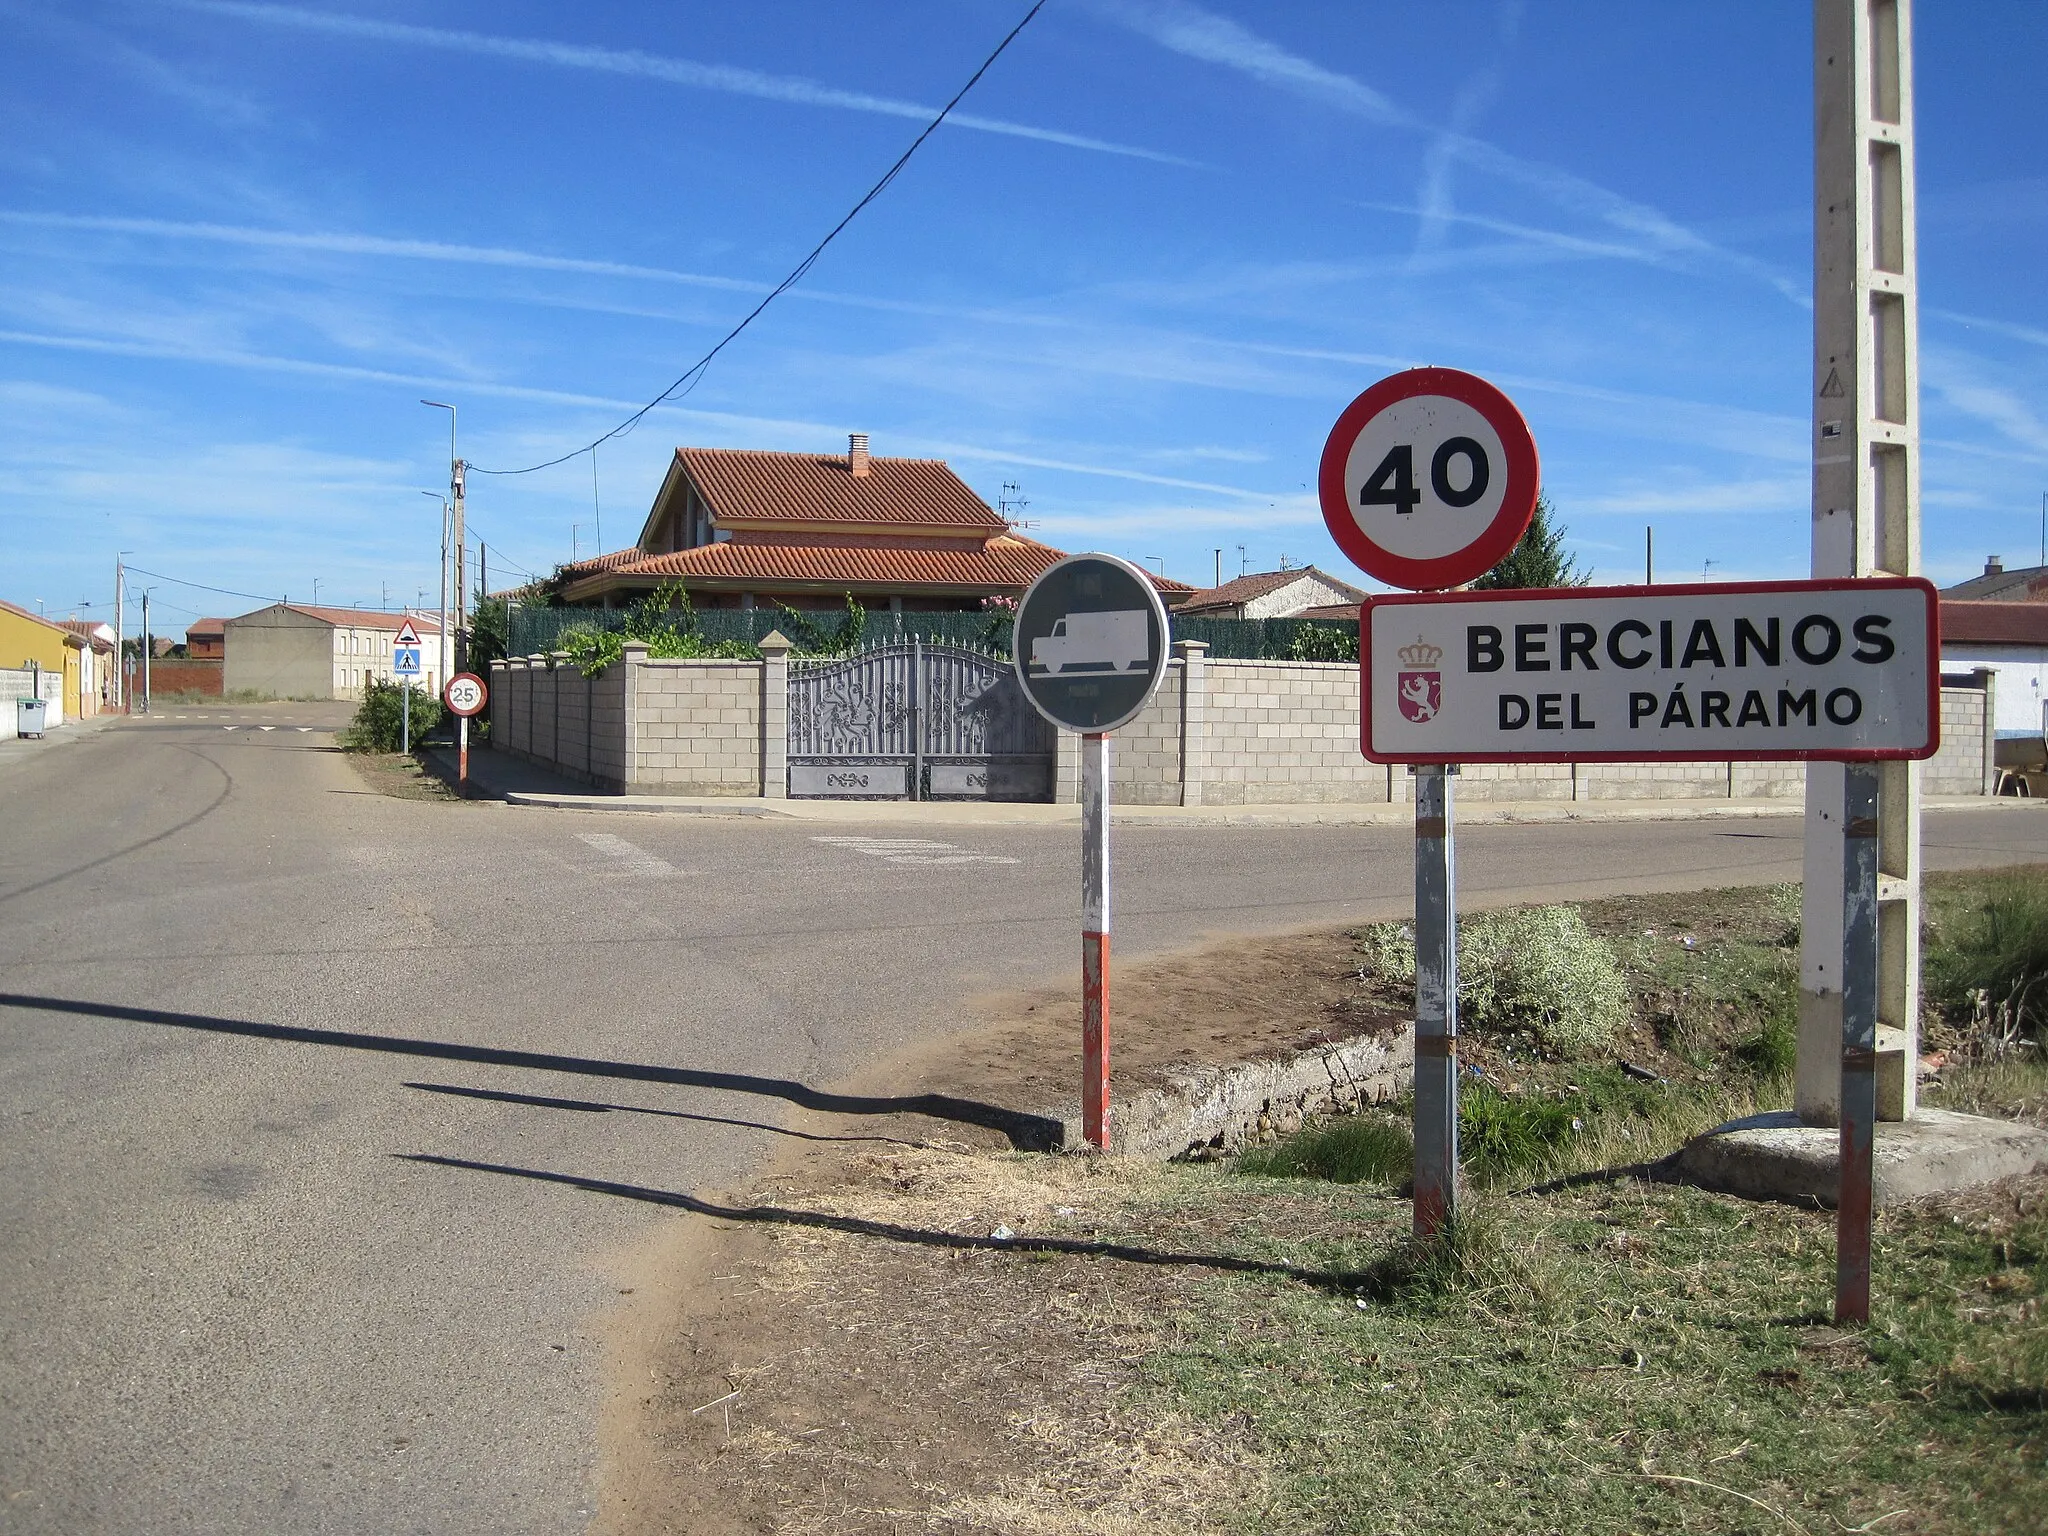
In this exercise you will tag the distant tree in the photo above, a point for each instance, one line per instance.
(1538, 558)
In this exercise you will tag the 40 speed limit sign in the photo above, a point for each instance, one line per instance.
(1429, 478)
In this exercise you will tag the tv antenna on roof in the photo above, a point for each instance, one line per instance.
(1243, 560)
(1010, 502)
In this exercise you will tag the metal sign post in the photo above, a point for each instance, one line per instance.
(1090, 646)
(1095, 938)
(1860, 983)
(405, 718)
(1428, 480)
(1436, 1002)
(465, 695)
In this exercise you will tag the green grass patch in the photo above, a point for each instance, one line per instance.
(1985, 945)
(1618, 1358)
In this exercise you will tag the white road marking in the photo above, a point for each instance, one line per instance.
(231, 727)
(912, 850)
(266, 727)
(302, 729)
(632, 860)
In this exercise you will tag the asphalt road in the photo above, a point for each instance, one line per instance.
(242, 995)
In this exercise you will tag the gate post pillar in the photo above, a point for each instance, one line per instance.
(1194, 724)
(775, 649)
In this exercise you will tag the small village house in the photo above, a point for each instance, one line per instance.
(298, 651)
(1300, 592)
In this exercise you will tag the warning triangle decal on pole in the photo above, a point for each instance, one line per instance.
(406, 635)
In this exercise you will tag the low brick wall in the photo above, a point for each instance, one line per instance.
(1216, 733)
(183, 674)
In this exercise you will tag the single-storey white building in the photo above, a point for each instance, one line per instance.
(2011, 641)
(297, 651)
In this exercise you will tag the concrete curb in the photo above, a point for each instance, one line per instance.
(1205, 1112)
(641, 805)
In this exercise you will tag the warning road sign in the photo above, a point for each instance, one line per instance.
(407, 635)
(1428, 479)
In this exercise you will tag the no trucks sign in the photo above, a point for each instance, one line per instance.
(1843, 670)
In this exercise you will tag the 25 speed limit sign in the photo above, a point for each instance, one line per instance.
(465, 694)
(1429, 478)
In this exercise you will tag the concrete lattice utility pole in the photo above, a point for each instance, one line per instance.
(1866, 509)
(441, 643)
(457, 545)
(120, 636)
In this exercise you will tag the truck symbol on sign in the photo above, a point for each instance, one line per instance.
(1095, 642)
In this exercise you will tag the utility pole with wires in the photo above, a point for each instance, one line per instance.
(596, 511)
(120, 634)
(456, 541)
(147, 646)
(443, 639)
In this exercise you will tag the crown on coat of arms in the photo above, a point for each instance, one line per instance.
(1420, 654)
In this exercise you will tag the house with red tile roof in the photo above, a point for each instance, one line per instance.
(1297, 593)
(207, 639)
(742, 528)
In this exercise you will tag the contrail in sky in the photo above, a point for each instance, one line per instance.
(649, 66)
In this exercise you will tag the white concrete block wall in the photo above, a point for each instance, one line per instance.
(1285, 732)
(1958, 768)
(1270, 733)
(696, 728)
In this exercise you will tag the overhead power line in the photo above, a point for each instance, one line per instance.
(694, 374)
(258, 597)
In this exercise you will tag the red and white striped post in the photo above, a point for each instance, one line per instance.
(1095, 940)
(462, 754)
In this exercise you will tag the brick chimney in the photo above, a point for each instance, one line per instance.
(1994, 566)
(857, 453)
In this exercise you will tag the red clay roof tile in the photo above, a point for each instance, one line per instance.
(746, 485)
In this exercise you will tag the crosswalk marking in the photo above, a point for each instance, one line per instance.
(630, 859)
(912, 850)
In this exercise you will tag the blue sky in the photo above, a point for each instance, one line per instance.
(238, 242)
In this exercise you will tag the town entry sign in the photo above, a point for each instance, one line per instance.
(1091, 642)
(1843, 670)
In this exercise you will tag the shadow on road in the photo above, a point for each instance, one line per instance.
(776, 1215)
(1026, 1132)
(594, 1107)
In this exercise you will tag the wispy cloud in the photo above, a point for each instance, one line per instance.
(648, 66)
(1735, 497)
(1198, 34)
(350, 243)
(808, 432)
(1441, 158)
(2027, 333)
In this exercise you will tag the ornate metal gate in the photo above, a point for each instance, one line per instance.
(915, 721)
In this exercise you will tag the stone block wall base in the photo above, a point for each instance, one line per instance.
(1216, 1111)
(1777, 1156)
